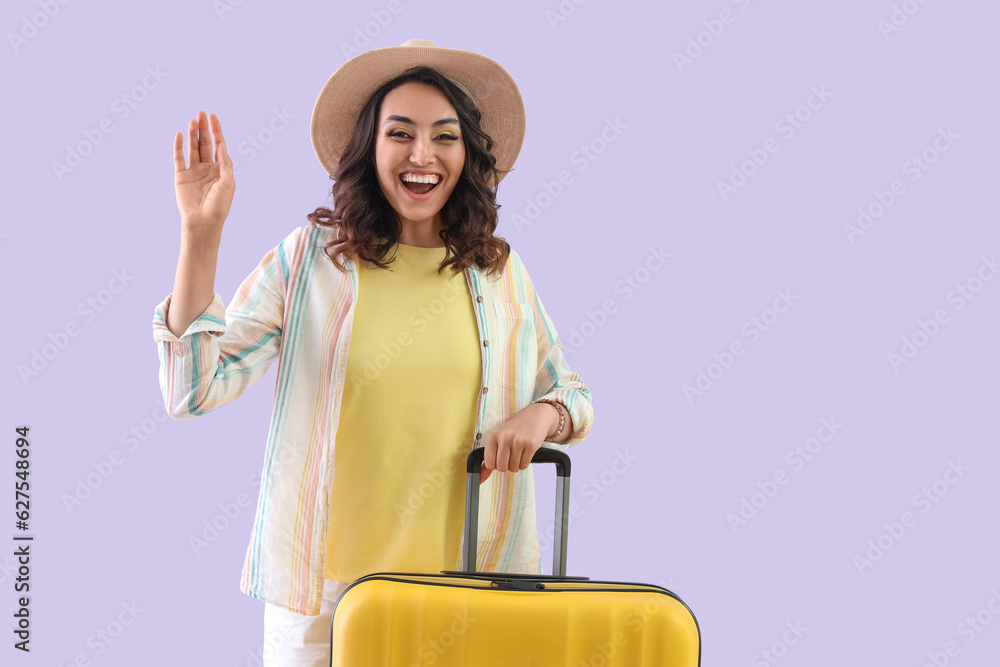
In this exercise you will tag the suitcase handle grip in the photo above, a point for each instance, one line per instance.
(471, 529)
(543, 455)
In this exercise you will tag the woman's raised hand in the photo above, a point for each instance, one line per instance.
(204, 189)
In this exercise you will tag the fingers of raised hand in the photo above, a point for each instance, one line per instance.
(203, 130)
(194, 156)
(179, 152)
(216, 126)
(204, 138)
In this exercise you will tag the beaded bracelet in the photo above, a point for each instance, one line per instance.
(562, 417)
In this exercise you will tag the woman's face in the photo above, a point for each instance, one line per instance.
(418, 133)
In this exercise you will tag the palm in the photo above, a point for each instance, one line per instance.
(204, 191)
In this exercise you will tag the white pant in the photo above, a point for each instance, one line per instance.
(297, 640)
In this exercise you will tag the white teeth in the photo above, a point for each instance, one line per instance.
(413, 178)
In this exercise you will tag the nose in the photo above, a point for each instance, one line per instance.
(422, 151)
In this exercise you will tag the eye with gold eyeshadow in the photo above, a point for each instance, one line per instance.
(448, 136)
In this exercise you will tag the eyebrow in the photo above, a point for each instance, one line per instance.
(404, 119)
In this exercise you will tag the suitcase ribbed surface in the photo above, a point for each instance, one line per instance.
(445, 620)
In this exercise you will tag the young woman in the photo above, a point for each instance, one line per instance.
(405, 332)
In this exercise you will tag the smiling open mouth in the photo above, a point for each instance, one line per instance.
(418, 188)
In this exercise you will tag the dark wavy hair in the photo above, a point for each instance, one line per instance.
(370, 226)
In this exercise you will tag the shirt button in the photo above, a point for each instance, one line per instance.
(485, 389)
(478, 436)
(486, 343)
(479, 299)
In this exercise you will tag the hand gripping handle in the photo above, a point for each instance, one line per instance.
(471, 531)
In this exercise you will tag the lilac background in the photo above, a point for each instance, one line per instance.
(662, 519)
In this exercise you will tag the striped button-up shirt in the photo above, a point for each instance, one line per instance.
(297, 308)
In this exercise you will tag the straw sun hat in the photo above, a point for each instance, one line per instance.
(346, 92)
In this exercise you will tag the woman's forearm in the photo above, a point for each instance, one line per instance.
(194, 282)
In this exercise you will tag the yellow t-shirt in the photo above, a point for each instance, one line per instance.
(407, 421)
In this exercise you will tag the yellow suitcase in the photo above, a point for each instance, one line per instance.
(486, 619)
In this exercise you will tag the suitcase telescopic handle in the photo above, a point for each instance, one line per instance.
(471, 531)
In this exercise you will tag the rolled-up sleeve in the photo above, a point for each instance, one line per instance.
(224, 350)
(554, 379)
